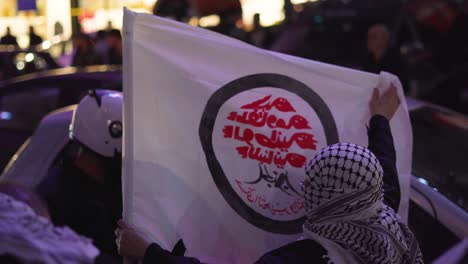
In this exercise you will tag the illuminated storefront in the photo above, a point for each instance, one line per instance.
(54, 17)
(48, 17)
(102, 14)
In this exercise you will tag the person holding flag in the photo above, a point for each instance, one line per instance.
(352, 219)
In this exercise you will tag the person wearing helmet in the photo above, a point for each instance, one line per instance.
(84, 187)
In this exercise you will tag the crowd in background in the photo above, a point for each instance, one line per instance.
(429, 56)
(105, 48)
(10, 39)
(429, 53)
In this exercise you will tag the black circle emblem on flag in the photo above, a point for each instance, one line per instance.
(257, 133)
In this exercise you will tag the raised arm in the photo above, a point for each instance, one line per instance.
(382, 108)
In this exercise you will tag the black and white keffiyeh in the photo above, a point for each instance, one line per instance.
(343, 193)
(31, 238)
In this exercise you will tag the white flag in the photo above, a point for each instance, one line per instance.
(217, 133)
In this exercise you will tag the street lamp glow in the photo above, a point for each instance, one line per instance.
(29, 57)
(20, 65)
(46, 44)
(271, 11)
(209, 21)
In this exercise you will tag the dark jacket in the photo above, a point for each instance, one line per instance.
(309, 251)
(8, 40)
(34, 40)
(87, 207)
(86, 58)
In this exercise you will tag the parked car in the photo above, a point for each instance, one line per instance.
(14, 63)
(31, 163)
(25, 100)
(439, 185)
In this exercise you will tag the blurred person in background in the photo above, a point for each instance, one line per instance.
(258, 35)
(28, 236)
(58, 29)
(110, 26)
(84, 188)
(58, 32)
(8, 38)
(452, 59)
(174, 9)
(34, 39)
(84, 51)
(101, 47)
(453, 51)
(114, 43)
(230, 24)
(382, 57)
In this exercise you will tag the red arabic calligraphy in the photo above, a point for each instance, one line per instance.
(273, 148)
(260, 119)
(295, 207)
(276, 140)
(280, 159)
(281, 104)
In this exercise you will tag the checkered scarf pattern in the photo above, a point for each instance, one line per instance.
(30, 238)
(343, 193)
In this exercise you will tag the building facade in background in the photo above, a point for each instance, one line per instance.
(52, 18)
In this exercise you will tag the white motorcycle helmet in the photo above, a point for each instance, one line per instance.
(97, 122)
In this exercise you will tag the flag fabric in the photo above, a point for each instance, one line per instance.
(217, 133)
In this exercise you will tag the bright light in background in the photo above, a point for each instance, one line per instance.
(46, 44)
(271, 11)
(29, 57)
(209, 21)
(5, 116)
(298, 8)
(149, 2)
(423, 181)
(115, 95)
(112, 12)
(297, 2)
(20, 65)
(193, 21)
(55, 11)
